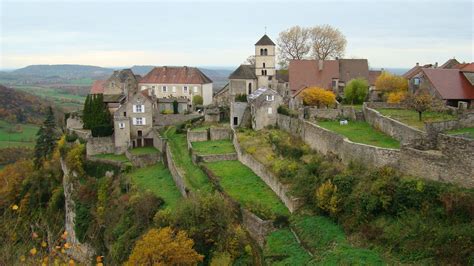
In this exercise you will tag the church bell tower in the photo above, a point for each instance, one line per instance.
(265, 61)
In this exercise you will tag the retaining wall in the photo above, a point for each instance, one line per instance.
(332, 114)
(216, 133)
(197, 158)
(107, 161)
(100, 145)
(172, 119)
(159, 142)
(176, 173)
(143, 160)
(269, 178)
(397, 130)
(194, 136)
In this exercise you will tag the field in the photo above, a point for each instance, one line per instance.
(243, 185)
(469, 130)
(213, 147)
(144, 151)
(24, 137)
(361, 132)
(114, 157)
(410, 117)
(195, 178)
(68, 101)
(158, 180)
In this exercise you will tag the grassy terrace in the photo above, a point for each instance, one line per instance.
(469, 130)
(113, 157)
(213, 147)
(361, 132)
(410, 117)
(25, 137)
(282, 248)
(143, 150)
(243, 185)
(195, 178)
(158, 180)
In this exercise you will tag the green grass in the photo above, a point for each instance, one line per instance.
(282, 248)
(201, 128)
(328, 242)
(68, 101)
(114, 157)
(357, 107)
(410, 117)
(361, 132)
(26, 137)
(144, 151)
(196, 179)
(159, 181)
(81, 81)
(243, 185)
(213, 147)
(469, 130)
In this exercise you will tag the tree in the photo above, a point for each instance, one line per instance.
(293, 43)
(326, 198)
(356, 91)
(420, 102)
(46, 138)
(396, 96)
(250, 60)
(96, 116)
(387, 83)
(164, 247)
(317, 96)
(327, 42)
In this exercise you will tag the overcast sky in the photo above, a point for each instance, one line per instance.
(205, 33)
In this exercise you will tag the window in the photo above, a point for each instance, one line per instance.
(139, 121)
(263, 72)
(113, 84)
(174, 88)
(270, 110)
(416, 81)
(236, 121)
(121, 125)
(143, 88)
(185, 89)
(164, 89)
(261, 51)
(250, 88)
(270, 98)
(139, 108)
(265, 51)
(263, 65)
(195, 89)
(124, 113)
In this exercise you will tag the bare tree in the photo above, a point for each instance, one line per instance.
(250, 60)
(327, 42)
(293, 43)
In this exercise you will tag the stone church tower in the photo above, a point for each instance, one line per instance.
(265, 61)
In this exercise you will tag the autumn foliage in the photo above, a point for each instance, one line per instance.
(164, 247)
(397, 96)
(388, 82)
(317, 97)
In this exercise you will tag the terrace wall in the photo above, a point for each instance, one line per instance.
(209, 158)
(397, 130)
(178, 176)
(159, 142)
(143, 160)
(162, 120)
(332, 114)
(106, 161)
(219, 133)
(269, 178)
(100, 145)
(193, 136)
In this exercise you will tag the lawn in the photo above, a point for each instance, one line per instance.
(243, 185)
(328, 242)
(410, 117)
(282, 248)
(213, 147)
(196, 179)
(361, 132)
(25, 136)
(469, 130)
(144, 151)
(159, 181)
(114, 157)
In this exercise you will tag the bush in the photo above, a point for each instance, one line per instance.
(356, 91)
(102, 131)
(197, 100)
(71, 137)
(284, 110)
(397, 96)
(167, 112)
(98, 169)
(314, 96)
(241, 98)
(327, 199)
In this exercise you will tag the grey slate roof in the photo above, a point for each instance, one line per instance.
(260, 91)
(265, 40)
(244, 72)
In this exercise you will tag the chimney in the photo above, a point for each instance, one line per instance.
(417, 64)
(436, 65)
(320, 64)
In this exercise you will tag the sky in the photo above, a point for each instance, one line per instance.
(113, 33)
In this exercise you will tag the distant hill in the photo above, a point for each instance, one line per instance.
(63, 71)
(21, 107)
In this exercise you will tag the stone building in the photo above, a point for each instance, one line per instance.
(177, 83)
(263, 104)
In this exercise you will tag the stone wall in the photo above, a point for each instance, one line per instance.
(143, 160)
(216, 133)
(162, 120)
(332, 113)
(176, 173)
(257, 228)
(397, 130)
(74, 122)
(197, 158)
(269, 178)
(159, 142)
(81, 133)
(194, 136)
(377, 105)
(100, 145)
(464, 120)
(106, 161)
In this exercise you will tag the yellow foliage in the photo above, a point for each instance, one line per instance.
(164, 247)
(396, 96)
(15, 207)
(389, 82)
(33, 251)
(317, 96)
(326, 197)
(75, 158)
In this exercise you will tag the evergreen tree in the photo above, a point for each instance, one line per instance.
(46, 138)
(86, 113)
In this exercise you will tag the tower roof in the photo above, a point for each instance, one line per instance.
(265, 40)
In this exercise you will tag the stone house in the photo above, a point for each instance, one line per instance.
(133, 122)
(452, 86)
(177, 83)
(264, 104)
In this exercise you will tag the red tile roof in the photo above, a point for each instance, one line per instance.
(450, 83)
(98, 87)
(468, 68)
(373, 75)
(175, 75)
(306, 73)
